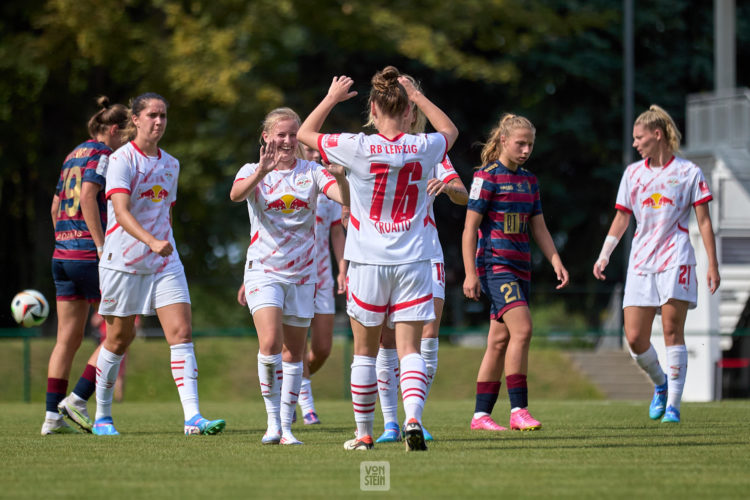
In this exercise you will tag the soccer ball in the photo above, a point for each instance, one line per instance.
(29, 308)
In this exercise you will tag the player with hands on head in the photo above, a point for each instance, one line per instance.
(281, 192)
(387, 246)
(444, 180)
(659, 191)
(140, 272)
(504, 207)
(79, 213)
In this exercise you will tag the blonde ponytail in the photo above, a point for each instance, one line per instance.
(657, 118)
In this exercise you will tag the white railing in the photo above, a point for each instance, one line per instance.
(718, 118)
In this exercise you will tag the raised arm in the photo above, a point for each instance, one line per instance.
(437, 118)
(543, 239)
(242, 188)
(709, 242)
(338, 92)
(616, 230)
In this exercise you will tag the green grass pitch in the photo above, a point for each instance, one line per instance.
(587, 449)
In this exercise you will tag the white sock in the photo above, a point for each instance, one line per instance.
(270, 375)
(290, 385)
(364, 386)
(185, 375)
(387, 369)
(677, 360)
(76, 399)
(413, 385)
(649, 363)
(306, 402)
(107, 366)
(429, 350)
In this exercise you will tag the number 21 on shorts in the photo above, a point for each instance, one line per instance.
(511, 291)
(684, 275)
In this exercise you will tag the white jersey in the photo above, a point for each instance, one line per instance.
(660, 198)
(445, 173)
(282, 220)
(388, 188)
(327, 215)
(151, 183)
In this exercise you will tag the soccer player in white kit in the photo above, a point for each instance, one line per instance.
(443, 180)
(659, 191)
(140, 271)
(329, 233)
(387, 247)
(281, 191)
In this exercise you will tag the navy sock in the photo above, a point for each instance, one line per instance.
(486, 396)
(56, 389)
(87, 383)
(518, 391)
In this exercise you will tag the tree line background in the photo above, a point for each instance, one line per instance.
(223, 65)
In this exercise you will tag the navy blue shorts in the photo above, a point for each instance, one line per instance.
(76, 280)
(505, 291)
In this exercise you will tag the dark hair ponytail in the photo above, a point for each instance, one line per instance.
(108, 115)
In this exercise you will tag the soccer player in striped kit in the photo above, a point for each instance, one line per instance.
(504, 206)
(281, 192)
(79, 214)
(659, 192)
(387, 246)
(140, 272)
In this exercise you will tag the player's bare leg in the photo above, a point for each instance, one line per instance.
(489, 376)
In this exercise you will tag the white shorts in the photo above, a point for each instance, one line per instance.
(324, 301)
(126, 294)
(655, 289)
(401, 292)
(295, 301)
(438, 280)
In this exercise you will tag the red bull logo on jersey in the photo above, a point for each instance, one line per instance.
(287, 204)
(656, 201)
(156, 194)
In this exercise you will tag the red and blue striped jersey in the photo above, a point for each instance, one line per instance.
(72, 237)
(507, 200)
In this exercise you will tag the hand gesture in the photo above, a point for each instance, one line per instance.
(268, 158)
(339, 89)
